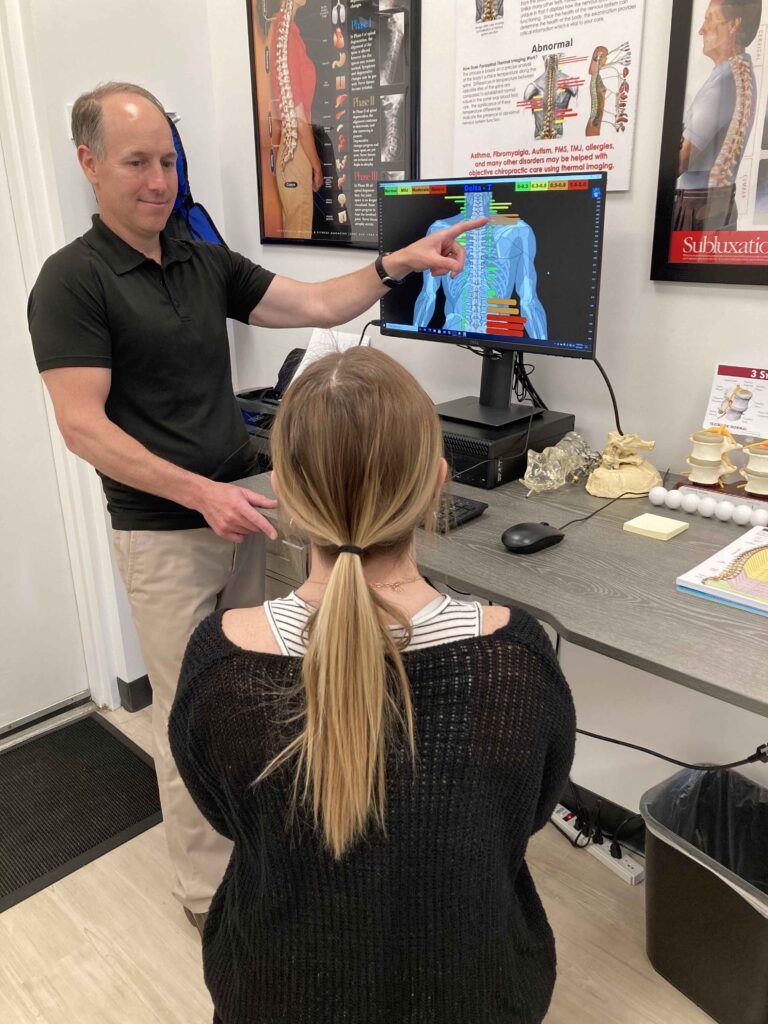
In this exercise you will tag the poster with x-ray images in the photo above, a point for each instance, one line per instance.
(545, 87)
(335, 101)
(712, 200)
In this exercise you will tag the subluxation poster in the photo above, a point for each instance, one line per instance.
(335, 99)
(712, 206)
(547, 87)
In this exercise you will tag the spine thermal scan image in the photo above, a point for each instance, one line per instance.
(496, 291)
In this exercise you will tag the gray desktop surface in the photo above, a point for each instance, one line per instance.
(607, 590)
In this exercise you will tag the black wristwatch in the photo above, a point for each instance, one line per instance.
(390, 282)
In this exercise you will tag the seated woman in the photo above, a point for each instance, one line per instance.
(379, 753)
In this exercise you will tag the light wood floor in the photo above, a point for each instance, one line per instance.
(109, 945)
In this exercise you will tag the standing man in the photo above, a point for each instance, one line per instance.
(128, 329)
(719, 120)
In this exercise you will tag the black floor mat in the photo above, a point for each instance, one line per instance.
(66, 798)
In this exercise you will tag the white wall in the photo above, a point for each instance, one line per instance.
(162, 46)
(38, 598)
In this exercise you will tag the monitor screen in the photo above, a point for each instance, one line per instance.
(532, 276)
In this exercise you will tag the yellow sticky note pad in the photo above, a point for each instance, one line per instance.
(655, 527)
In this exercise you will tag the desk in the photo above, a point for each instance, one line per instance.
(604, 589)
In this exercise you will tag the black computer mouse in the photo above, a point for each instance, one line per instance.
(525, 538)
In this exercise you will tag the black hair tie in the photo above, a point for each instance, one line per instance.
(351, 549)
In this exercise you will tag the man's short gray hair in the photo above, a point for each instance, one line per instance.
(87, 120)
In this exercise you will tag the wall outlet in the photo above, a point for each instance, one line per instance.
(626, 868)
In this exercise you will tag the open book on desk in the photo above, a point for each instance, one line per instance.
(737, 575)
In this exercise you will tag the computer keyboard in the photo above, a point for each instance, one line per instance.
(455, 511)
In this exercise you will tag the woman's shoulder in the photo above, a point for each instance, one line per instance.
(494, 617)
(517, 630)
(249, 630)
(223, 635)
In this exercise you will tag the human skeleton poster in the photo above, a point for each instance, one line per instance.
(335, 98)
(546, 87)
(712, 205)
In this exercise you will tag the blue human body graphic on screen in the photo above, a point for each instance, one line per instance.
(496, 292)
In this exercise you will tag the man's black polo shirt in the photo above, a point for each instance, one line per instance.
(162, 332)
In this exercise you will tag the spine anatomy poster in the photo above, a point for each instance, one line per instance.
(547, 88)
(335, 93)
(712, 204)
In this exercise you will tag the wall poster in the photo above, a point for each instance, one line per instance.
(712, 205)
(547, 88)
(335, 103)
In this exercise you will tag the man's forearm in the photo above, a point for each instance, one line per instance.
(288, 303)
(349, 296)
(119, 456)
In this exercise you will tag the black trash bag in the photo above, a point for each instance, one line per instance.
(721, 814)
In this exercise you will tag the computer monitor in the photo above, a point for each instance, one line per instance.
(531, 282)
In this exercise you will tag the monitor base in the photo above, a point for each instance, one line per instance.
(470, 410)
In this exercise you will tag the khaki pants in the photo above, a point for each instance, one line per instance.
(174, 579)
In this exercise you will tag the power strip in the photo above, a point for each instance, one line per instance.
(625, 867)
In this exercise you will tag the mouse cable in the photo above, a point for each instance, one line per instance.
(626, 494)
(611, 391)
(761, 754)
(371, 323)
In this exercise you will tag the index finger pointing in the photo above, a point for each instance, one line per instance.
(466, 225)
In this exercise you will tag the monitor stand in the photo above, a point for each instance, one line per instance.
(492, 409)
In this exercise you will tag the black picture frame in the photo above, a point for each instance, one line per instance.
(325, 233)
(662, 268)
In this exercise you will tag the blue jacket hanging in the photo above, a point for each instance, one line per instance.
(189, 220)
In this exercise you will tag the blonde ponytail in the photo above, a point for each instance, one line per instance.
(356, 450)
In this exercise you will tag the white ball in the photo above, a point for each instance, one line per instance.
(657, 495)
(759, 517)
(741, 515)
(724, 511)
(690, 502)
(707, 507)
(673, 499)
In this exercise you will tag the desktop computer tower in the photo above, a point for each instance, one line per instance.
(487, 456)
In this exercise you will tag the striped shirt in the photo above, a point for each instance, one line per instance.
(440, 622)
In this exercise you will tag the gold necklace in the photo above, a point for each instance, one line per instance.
(396, 585)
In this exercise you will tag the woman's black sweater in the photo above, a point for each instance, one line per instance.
(438, 922)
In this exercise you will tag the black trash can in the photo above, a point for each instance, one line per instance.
(706, 889)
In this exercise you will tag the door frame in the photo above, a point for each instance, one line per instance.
(39, 230)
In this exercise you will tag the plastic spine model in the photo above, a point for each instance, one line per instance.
(290, 130)
(724, 169)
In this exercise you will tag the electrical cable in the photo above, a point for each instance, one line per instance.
(523, 384)
(613, 396)
(761, 754)
(626, 494)
(371, 323)
(506, 458)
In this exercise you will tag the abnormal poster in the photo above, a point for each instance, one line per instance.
(335, 99)
(712, 206)
(547, 87)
